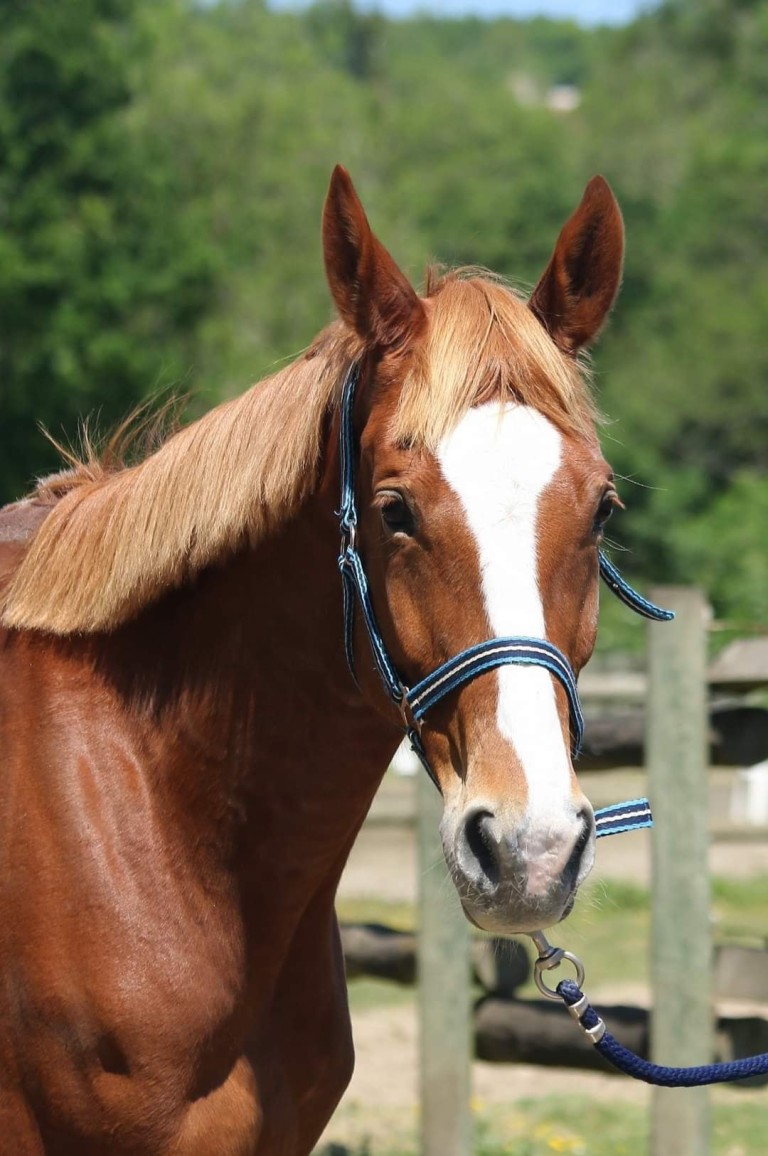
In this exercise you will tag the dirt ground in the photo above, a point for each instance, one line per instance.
(383, 865)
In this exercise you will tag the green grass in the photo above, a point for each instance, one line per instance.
(567, 1124)
(401, 916)
(740, 908)
(365, 994)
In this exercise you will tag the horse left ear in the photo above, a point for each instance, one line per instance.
(371, 293)
(579, 285)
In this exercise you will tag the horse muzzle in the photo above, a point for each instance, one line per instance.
(520, 877)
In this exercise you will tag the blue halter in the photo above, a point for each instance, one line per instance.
(414, 702)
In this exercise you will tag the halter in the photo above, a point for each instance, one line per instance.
(517, 650)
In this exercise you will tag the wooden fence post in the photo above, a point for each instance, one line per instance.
(444, 995)
(681, 951)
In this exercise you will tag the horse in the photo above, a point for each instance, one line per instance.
(186, 756)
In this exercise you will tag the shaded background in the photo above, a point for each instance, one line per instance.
(162, 170)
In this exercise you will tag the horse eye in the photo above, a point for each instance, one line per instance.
(397, 515)
(607, 505)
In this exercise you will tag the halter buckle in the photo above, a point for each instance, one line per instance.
(410, 722)
(348, 536)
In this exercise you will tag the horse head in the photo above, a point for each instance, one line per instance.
(482, 494)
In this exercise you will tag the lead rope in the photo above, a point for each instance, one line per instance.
(614, 820)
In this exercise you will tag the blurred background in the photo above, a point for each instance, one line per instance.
(162, 170)
(163, 165)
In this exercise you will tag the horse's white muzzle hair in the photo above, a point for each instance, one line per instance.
(518, 876)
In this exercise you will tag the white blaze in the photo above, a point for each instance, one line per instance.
(499, 460)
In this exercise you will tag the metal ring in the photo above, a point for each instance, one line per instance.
(545, 963)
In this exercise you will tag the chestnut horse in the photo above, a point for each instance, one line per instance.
(186, 760)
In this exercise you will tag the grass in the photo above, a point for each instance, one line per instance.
(590, 1128)
(401, 916)
(567, 1124)
(365, 994)
(740, 908)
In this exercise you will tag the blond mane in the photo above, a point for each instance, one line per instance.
(117, 538)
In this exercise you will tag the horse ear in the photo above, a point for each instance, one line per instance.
(371, 293)
(579, 285)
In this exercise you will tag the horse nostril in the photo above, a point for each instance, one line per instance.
(581, 844)
(586, 817)
(482, 844)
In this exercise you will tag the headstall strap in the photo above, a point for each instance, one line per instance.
(614, 581)
(415, 701)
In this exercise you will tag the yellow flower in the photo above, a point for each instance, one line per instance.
(573, 1144)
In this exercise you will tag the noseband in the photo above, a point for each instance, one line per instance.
(414, 702)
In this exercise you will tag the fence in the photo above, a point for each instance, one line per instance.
(682, 1025)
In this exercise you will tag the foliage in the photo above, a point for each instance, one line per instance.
(102, 275)
(162, 168)
(686, 363)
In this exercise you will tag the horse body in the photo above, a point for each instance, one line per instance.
(186, 759)
(173, 978)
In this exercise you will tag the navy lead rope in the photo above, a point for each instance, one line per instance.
(631, 1065)
(621, 1058)
(612, 821)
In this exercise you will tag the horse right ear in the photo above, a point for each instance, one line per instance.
(578, 287)
(372, 295)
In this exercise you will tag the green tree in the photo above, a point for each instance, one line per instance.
(162, 170)
(102, 273)
(678, 120)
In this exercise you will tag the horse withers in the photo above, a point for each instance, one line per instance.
(186, 758)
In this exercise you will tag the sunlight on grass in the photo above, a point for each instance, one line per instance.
(365, 994)
(557, 1124)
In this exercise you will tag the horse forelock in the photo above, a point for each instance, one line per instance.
(484, 342)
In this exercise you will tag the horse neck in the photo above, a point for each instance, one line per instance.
(250, 684)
